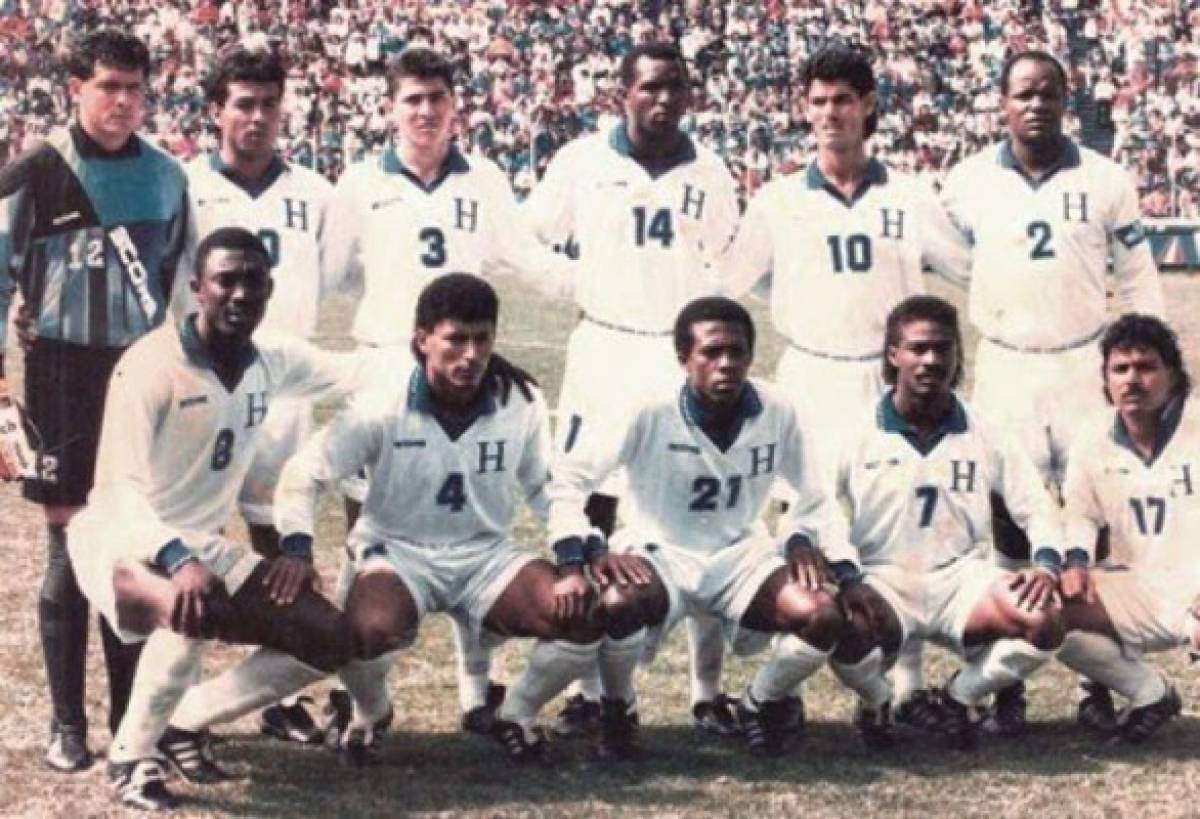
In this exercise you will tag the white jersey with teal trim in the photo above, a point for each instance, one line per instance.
(287, 210)
(428, 488)
(1041, 250)
(647, 239)
(1152, 507)
(176, 441)
(398, 235)
(924, 508)
(685, 491)
(837, 265)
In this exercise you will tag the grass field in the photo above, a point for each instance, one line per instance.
(429, 768)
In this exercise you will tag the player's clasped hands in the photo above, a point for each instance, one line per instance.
(809, 568)
(573, 595)
(1075, 583)
(1036, 589)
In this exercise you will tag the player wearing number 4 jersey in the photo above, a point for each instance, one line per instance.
(917, 478)
(1136, 472)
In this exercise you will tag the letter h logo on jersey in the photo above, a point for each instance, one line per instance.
(295, 212)
(893, 223)
(762, 460)
(962, 476)
(256, 408)
(466, 214)
(693, 200)
(1075, 207)
(491, 456)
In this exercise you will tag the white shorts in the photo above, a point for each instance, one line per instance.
(96, 548)
(1039, 397)
(936, 606)
(720, 584)
(1149, 612)
(391, 369)
(287, 426)
(828, 394)
(462, 582)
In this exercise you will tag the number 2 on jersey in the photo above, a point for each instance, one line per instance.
(1041, 234)
(705, 491)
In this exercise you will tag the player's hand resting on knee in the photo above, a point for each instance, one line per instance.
(195, 588)
(807, 566)
(572, 595)
(620, 570)
(1036, 589)
(1075, 583)
(287, 576)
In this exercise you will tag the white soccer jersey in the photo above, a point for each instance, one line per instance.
(287, 210)
(427, 488)
(838, 267)
(176, 441)
(647, 241)
(398, 235)
(1152, 508)
(684, 490)
(923, 510)
(1041, 250)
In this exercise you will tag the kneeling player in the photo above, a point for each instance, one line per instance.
(182, 415)
(450, 463)
(1134, 471)
(917, 479)
(700, 462)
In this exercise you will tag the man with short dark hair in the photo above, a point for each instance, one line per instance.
(1132, 472)
(182, 417)
(92, 225)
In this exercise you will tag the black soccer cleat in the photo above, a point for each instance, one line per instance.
(716, 716)
(618, 731)
(960, 723)
(579, 717)
(481, 718)
(290, 723)
(795, 718)
(1139, 724)
(523, 747)
(141, 784)
(190, 753)
(1006, 718)
(765, 725)
(875, 726)
(1096, 710)
(359, 748)
(920, 711)
(339, 712)
(68, 751)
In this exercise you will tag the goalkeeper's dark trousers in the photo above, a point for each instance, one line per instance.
(63, 621)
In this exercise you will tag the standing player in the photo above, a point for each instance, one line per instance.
(419, 210)
(844, 241)
(649, 211)
(450, 465)
(182, 418)
(917, 477)
(92, 224)
(246, 183)
(1053, 214)
(700, 460)
(1135, 471)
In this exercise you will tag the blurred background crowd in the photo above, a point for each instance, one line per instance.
(535, 73)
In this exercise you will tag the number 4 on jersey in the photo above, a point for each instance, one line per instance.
(453, 492)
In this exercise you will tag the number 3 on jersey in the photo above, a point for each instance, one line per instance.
(435, 247)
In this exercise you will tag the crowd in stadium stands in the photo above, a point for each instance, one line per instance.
(535, 74)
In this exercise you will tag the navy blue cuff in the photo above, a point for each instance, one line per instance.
(794, 542)
(297, 544)
(594, 547)
(1077, 558)
(845, 572)
(1047, 558)
(571, 551)
(172, 556)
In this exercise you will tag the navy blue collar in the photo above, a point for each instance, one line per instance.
(1168, 422)
(198, 354)
(454, 162)
(420, 399)
(888, 418)
(685, 151)
(89, 148)
(1068, 157)
(722, 432)
(874, 174)
(253, 187)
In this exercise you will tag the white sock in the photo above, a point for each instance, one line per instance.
(473, 667)
(589, 685)
(551, 667)
(908, 674)
(167, 667)
(1100, 658)
(618, 659)
(366, 680)
(1001, 664)
(792, 662)
(260, 679)
(865, 678)
(706, 653)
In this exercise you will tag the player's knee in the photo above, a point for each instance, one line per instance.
(58, 584)
(813, 617)
(1043, 629)
(376, 633)
(855, 641)
(629, 608)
